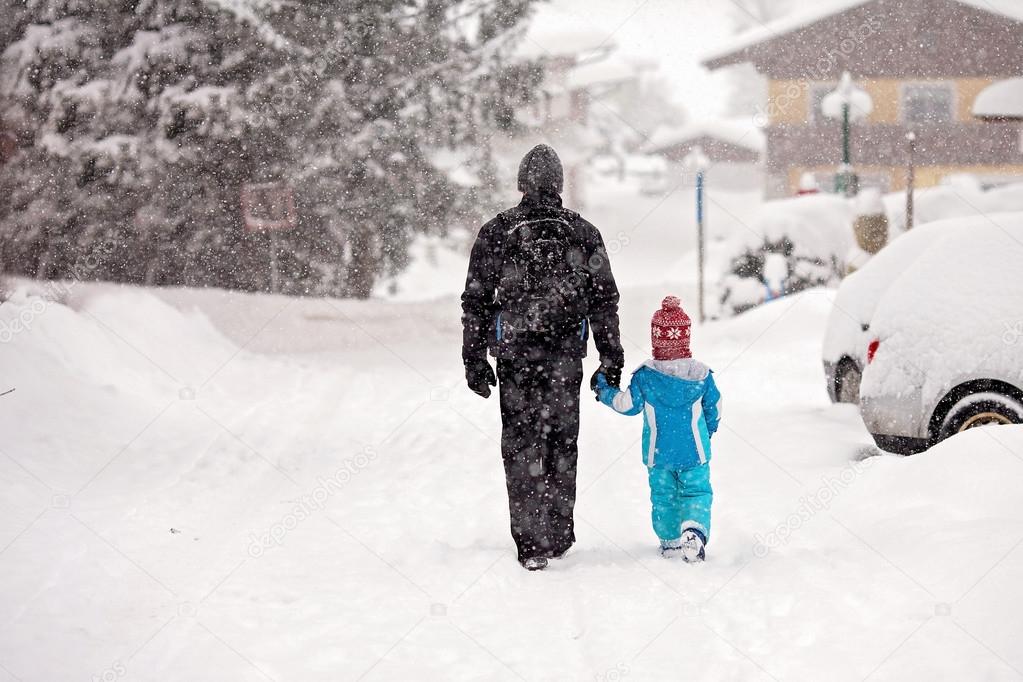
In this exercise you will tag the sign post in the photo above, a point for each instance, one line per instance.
(910, 179)
(696, 161)
(269, 207)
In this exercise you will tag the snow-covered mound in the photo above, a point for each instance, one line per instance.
(962, 196)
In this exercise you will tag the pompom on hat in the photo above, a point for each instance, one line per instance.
(669, 331)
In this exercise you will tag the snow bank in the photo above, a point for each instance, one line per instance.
(952, 496)
(962, 196)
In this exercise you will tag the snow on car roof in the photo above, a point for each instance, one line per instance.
(951, 314)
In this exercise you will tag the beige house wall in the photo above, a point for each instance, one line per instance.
(789, 100)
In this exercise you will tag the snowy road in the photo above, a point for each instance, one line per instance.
(207, 486)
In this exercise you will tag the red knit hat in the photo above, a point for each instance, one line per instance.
(669, 331)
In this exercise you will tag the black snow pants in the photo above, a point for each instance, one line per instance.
(540, 429)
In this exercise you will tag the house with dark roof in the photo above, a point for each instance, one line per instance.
(923, 63)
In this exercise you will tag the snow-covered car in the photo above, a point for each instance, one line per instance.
(848, 332)
(946, 346)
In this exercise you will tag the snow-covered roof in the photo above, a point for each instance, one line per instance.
(1002, 99)
(614, 69)
(554, 33)
(1013, 9)
(738, 131)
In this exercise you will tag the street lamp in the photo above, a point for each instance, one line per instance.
(696, 161)
(846, 103)
(910, 178)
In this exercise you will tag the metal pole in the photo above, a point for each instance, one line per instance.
(275, 277)
(699, 242)
(845, 134)
(910, 179)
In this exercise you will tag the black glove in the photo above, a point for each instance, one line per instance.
(612, 372)
(479, 376)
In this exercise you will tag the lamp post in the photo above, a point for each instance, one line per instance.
(696, 161)
(848, 104)
(910, 178)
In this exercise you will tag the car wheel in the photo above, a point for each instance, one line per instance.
(848, 380)
(981, 409)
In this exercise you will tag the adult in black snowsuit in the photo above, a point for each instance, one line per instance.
(539, 285)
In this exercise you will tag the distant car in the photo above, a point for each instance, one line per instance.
(848, 330)
(945, 348)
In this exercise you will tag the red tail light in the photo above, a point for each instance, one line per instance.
(872, 350)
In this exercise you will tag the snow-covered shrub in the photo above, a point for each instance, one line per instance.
(794, 244)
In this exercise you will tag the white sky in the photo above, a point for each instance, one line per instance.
(676, 33)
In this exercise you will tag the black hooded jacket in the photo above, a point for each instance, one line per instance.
(595, 287)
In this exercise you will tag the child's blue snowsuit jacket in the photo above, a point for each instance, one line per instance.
(681, 408)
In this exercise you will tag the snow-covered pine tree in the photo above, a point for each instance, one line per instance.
(140, 122)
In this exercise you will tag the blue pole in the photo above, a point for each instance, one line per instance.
(700, 239)
(699, 197)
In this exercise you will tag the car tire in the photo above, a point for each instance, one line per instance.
(847, 382)
(981, 409)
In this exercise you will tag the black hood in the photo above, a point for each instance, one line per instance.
(540, 172)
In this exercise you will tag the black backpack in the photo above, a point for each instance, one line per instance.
(544, 281)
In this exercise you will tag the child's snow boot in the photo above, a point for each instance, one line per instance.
(692, 546)
(671, 548)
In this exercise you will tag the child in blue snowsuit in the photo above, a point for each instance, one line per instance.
(681, 408)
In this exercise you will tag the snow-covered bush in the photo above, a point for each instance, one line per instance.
(794, 244)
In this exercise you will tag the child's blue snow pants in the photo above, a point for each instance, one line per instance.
(681, 500)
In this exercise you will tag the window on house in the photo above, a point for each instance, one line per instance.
(931, 103)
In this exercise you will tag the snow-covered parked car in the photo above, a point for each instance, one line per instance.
(946, 346)
(794, 244)
(848, 332)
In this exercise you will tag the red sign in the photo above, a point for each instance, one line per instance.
(268, 206)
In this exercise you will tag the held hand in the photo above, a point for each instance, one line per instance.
(598, 383)
(479, 376)
(612, 374)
